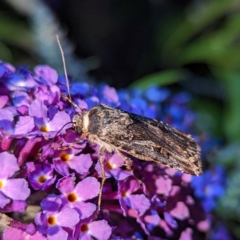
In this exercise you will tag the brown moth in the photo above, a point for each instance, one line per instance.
(115, 130)
(144, 138)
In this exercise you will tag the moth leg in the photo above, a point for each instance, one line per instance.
(128, 161)
(101, 161)
(84, 135)
(62, 148)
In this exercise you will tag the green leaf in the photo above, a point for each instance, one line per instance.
(231, 82)
(220, 47)
(160, 78)
(15, 32)
(198, 19)
(5, 53)
(208, 116)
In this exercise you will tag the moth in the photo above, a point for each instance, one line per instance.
(115, 130)
(144, 138)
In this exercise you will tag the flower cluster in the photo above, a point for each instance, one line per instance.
(44, 163)
(210, 186)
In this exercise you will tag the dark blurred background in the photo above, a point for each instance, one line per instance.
(191, 46)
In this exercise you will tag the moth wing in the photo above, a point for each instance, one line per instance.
(152, 140)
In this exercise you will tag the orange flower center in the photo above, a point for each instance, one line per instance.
(42, 179)
(124, 193)
(65, 157)
(72, 197)
(44, 129)
(51, 220)
(109, 165)
(84, 228)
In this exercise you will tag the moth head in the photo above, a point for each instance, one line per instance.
(81, 122)
(78, 123)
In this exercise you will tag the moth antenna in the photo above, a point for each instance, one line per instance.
(62, 128)
(69, 99)
(64, 66)
(58, 133)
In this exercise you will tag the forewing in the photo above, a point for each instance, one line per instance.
(151, 140)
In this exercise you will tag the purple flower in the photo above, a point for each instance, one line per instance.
(46, 74)
(47, 121)
(20, 98)
(79, 88)
(6, 120)
(171, 202)
(56, 222)
(3, 101)
(108, 94)
(63, 160)
(210, 186)
(76, 196)
(11, 188)
(87, 230)
(186, 234)
(137, 202)
(156, 94)
(220, 233)
(20, 235)
(21, 80)
(42, 177)
(48, 95)
(113, 164)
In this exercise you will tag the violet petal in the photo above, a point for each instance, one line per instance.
(181, 211)
(120, 174)
(88, 188)
(16, 206)
(17, 233)
(24, 125)
(58, 234)
(59, 120)
(163, 185)
(52, 203)
(186, 234)
(100, 229)
(6, 119)
(66, 184)
(68, 217)
(123, 205)
(38, 110)
(8, 164)
(3, 200)
(81, 164)
(85, 209)
(47, 74)
(139, 202)
(61, 167)
(16, 189)
(3, 101)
